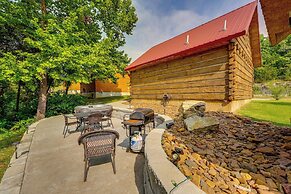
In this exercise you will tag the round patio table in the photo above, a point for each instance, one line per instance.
(83, 112)
(93, 108)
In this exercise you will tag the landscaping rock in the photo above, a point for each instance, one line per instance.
(190, 108)
(266, 150)
(196, 179)
(249, 166)
(287, 146)
(240, 152)
(201, 123)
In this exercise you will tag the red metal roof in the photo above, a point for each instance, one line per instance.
(201, 38)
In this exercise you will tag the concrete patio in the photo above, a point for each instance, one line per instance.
(55, 164)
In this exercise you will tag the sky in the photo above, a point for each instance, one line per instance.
(160, 20)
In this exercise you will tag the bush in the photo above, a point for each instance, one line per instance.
(7, 137)
(265, 73)
(277, 91)
(257, 90)
(62, 104)
(22, 125)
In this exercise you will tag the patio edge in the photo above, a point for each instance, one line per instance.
(159, 172)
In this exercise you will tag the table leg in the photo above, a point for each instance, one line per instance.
(80, 123)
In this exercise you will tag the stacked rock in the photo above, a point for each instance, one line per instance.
(248, 156)
(208, 176)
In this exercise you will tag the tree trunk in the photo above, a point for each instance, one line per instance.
(50, 83)
(43, 11)
(18, 97)
(42, 98)
(68, 84)
(43, 85)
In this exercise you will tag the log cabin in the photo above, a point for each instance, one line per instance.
(213, 62)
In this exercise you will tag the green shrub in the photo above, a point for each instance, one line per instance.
(3, 123)
(61, 104)
(265, 73)
(7, 137)
(257, 90)
(277, 91)
(22, 125)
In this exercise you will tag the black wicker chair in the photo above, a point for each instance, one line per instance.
(94, 122)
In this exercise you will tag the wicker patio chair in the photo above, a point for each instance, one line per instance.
(83, 110)
(107, 117)
(69, 121)
(94, 122)
(96, 144)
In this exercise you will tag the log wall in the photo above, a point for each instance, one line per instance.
(200, 77)
(242, 69)
(221, 77)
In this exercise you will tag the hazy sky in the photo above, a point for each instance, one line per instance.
(159, 20)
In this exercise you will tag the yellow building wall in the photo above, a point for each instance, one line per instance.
(122, 85)
(103, 88)
(75, 86)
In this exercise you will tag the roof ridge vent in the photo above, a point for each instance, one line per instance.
(187, 39)
(224, 26)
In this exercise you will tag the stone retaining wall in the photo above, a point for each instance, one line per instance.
(120, 112)
(160, 175)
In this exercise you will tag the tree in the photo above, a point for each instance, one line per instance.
(13, 23)
(276, 61)
(75, 41)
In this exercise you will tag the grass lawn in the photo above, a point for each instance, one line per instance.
(5, 156)
(276, 111)
(6, 148)
(107, 99)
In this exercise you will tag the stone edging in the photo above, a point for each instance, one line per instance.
(159, 172)
(13, 177)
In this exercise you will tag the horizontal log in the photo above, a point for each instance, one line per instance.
(183, 63)
(216, 89)
(194, 78)
(246, 63)
(244, 43)
(212, 54)
(182, 84)
(194, 96)
(162, 77)
(243, 75)
(169, 70)
(241, 80)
